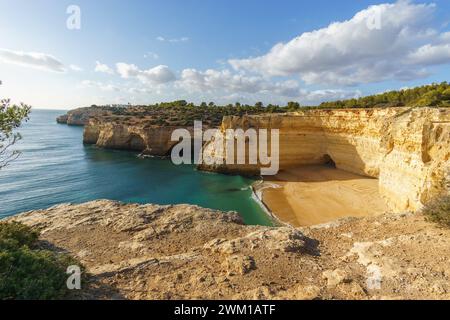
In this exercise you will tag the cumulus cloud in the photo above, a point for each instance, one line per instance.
(237, 85)
(430, 55)
(210, 80)
(392, 41)
(158, 75)
(224, 80)
(36, 60)
(126, 70)
(382, 42)
(100, 67)
(222, 85)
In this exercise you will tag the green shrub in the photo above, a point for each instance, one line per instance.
(15, 235)
(27, 271)
(438, 210)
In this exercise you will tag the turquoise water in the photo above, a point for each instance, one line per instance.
(55, 167)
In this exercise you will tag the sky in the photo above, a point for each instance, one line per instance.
(59, 54)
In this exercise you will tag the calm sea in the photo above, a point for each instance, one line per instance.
(55, 167)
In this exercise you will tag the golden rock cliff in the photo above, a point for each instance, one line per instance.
(80, 116)
(151, 140)
(406, 149)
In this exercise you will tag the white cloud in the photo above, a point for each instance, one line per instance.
(100, 67)
(126, 70)
(431, 55)
(318, 96)
(354, 51)
(158, 75)
(224, 80)
(305, 97)
(211, 80)
(36, 60)
(75, 68)
(151, 55)
(173, 40)
(239, 85)
(346, 53)
(445, 37)
(222, 86)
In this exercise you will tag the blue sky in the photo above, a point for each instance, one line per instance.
(224, 51)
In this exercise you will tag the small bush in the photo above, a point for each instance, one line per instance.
(438, 210)
(26, 271)
(15, 235)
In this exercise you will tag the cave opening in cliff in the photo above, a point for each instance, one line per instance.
(136, 143)
(329, 162)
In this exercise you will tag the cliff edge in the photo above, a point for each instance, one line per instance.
(80, 116)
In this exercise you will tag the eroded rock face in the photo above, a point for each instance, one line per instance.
(151, 140)
(407, 149)
(186, 252)
(416, 157)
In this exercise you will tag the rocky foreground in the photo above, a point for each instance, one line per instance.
(187, 252)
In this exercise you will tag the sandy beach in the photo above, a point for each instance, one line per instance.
(315, 194)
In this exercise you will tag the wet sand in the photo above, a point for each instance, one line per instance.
(316, 194)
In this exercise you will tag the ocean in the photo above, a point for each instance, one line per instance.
(55, 167)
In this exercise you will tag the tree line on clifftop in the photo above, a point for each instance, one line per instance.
(432, 95)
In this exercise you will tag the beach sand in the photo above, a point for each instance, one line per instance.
(316, 194)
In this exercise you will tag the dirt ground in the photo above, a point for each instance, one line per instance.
(186, 252)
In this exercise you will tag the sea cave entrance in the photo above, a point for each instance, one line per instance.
(136, 143)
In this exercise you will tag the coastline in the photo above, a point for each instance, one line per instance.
(257, 195)
(72, 172)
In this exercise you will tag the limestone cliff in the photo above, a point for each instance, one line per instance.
(149, 251)
(80, 116)
(408, 150)
(138, 136)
